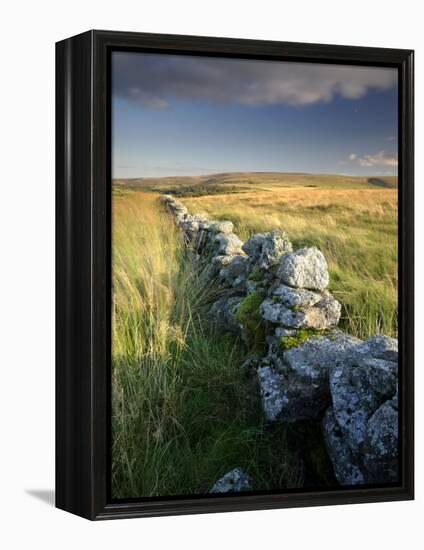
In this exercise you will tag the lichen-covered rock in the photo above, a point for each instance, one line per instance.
(235, 481)
(381, 444)
(305, 268)
(358, 387)
(224, 226)
(345, 463)
(272, 395)
(276, 244)
(166, 198)
(253, 246)
(223, 313)
(234, 274)
(361, 427)
(324, 314)
(380, 347)
(299, 377)
(265, 249)
(229, 244)
(294, 297)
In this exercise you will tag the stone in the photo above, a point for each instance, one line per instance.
(234, 481)
(294, 383)
(272, 397)
(274, 246)
(380, 347)
(357, 389)
(229, 244)
(305, 268)
(235, 273)
(253, 246)
(224, 226)
(295, 297)
(345, 464)
(166, 198)
(324, 314)
(265, 249)
(223, 313)
(381, 444)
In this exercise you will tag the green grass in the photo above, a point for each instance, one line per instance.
(184, 413)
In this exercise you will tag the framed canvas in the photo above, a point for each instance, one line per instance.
(234, 274)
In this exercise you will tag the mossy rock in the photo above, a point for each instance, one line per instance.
(257, 275)
(248, 316)
(301, 336)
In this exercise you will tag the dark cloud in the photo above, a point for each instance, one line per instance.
(154, 80)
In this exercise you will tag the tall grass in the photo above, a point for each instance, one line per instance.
(355, 229)
(184, 413)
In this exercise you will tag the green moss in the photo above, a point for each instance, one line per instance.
(257, 275)
(247, 314)
(248, 309)
(287, 342)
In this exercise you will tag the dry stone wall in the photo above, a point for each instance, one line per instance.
(277, 300)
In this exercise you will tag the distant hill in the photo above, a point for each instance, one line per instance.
(236, 182)
(391, 182)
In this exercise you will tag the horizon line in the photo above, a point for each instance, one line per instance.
(256, 172)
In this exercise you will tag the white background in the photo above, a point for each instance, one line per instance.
(28, 33)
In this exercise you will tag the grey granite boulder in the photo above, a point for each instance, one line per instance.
(294, 297)
(322, 315)
(273, 397)
(358, 389)
(235, 481)
(381, 444)
(253, 246)
(276, 244)
(380, 347)
(345, 462)
(234, 274)
(305, 268)
(224, 226)
(229, 244)
(265, 249)
(361, 427)
(294, 383)
(223, 313)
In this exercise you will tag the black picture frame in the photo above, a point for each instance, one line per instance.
(83, 271)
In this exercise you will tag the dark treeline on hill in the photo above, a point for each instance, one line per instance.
(199, 190)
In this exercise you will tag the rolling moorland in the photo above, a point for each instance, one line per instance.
(183, 412)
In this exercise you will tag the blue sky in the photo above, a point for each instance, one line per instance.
(185, 115)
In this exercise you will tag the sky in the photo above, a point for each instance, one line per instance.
(175, 115)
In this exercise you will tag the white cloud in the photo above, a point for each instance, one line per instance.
(154, 80)
(381, 158)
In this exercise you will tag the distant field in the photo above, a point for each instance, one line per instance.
(252, 181)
